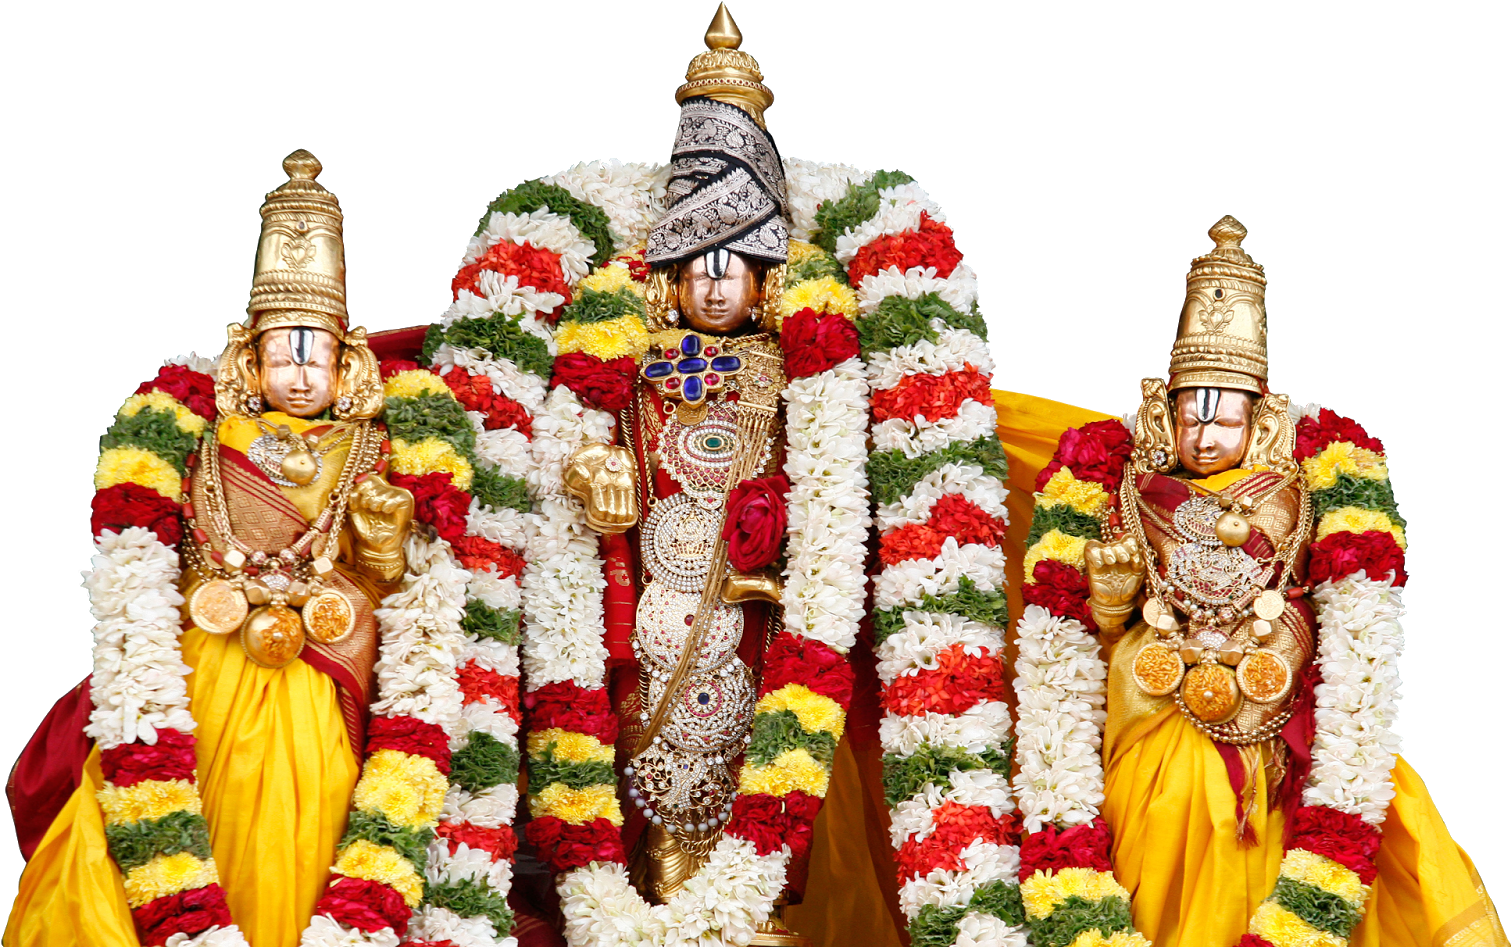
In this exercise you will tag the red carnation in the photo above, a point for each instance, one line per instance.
(761, 820)
(498, 843)
(562, 846)
(1095, 452)
(1343, 554)
(1312, 436)
(410, 735)
(565, 705)
(437, 502)
(1061, 589)
(365, 905)
(128, 504)
(479, 683)
(635, 263)
(816, 342)
(531, 265)
(392, 366)
(171, 757)
(1080, 846)
(195, 390)
(1346, 839)
(932, 396)
(791, 659)
(187, 912)
(475, 393)
(932, 244)
(756, 521)
(607, 385)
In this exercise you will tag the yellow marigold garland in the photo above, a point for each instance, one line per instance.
(415, 384)
(370, 862)
(571, 747)
(577, 806)
(1043, 892)
(814, 712)
(405, 788)
(166, 875)
(793, 770)
(1063, 489)
(1059, 547)
(608, 340)
(148, 799)
(432, 455)
(186, 420)
(1353, 519)
(134, 465)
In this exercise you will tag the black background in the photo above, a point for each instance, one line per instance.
(1081, 178)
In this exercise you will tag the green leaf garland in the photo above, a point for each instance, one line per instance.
(773, 734)
(431, 415)
(155, 430)
(893, 473)
(531, 196)
(471, 898)
(988, 606)
(498, 335)
(1075, 915)
(500, 625)
(547, 769)
(499, 491)
(1321, 909)
(593, 306)
(484, 763)
(860, 204)
(133, 844)
(375, 827)
(1066, 519)
(903, 777)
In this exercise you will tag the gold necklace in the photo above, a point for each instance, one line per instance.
(290, 459)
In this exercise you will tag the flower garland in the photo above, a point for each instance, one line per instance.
(1357, 568)
(1069, 892)
(936, 474)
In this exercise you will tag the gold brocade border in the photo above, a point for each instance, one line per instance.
(1476, 925)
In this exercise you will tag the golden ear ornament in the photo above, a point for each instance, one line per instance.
(772, 288)
(661, 299)
(359, 386)
(237, 392)
(1154, 431)
(1272, 437)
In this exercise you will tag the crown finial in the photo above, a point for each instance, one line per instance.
(302, 166)
(1228, 232)
(722, 31)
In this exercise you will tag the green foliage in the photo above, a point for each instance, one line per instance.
(938, 927)
(438, 416)
(1360, 492)
(1076, 914)
(501, 337)
(860, 204)
(472, 898)
(1321, 909)
(1066, 519)
(434, 336)
(774, 734)
(902, 777)
(817, 266)
(893, 473)
(899, 320)
(531, 196)
(484, 763)
(983, 605)
(547, 769)
(133, 844)
(498, 624)
(591, 306)
(499, 491)
(375, 828)
(152, 429)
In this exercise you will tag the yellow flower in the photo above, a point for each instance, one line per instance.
(1343, 457)
(577, 806)
(148, 799)
(432, 455)
(1063, 489)
(570, 747)
(825, 294)
(1353, 519)
(1095, 938)
(138, 466)
(1059, 547)
(167, 874)
(793, 770)
(370, 862)
(1284, 929)
(609, 279)
(608, 340)
(1322, 872)
(414, 384)
(407, 789)
(183, 418)
(814, 711)
(1043, 891)
(799, 251)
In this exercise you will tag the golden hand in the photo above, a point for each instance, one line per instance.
(1114, 575)
(380, 514)
(603, 478)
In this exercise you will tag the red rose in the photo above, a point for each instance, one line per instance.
(1253, 940)
(565, 705)
(366, 905)
(437, 502)
(171, 757)
(195, 389)
(816, 342)
(756, 521)
(606, 385)
(1080, 846)
(533, 266)
(562, 847)
(410, 735)
(795, 660)
(390, 367)
(475, 392)
(1095, 452)
(1312, 436)
(1060, 589)
(932, 244)
(499, 843)
(129, 504)
(188, 912)
(1343, 554)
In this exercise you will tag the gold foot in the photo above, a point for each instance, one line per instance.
(773, 933)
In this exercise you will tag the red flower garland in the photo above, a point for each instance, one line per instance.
(769, 822)
(478, 683)
(475, 393)
(952, 515)
(1061, 589)
(791, 659)
(532, 265)
(410, 735)
(955, 827)
(188, 912)
(1343, 554)
(932, 244)
(1346, 839)
(1313, 436)
(499, 843)
(933, 396)
(959, 683)
(128, 504)
(606, 385)
(815, 342)
(1095, 452)
(172, 757)
(562, 846)
(477, 553)
(366, 905)
(437, 502)
(1080, 846)
(195, 389)
(566, 706)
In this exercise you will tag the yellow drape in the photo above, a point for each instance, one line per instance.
(276, 771)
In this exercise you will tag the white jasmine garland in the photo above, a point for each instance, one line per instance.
(906, 580)
(958, 290)
(914, 818)
(954, 350)
(488, 809)
(968, 480)
(924, 634)
(985, 863)
(542, 229)
(918, 436)
(809, 184)
(504, 448)
(902, 209)
(431, 923)
(494, 590)
(527, 388)
(205, 366)
(323, 931)
(987, 930)
(978, 729)
(632, 194)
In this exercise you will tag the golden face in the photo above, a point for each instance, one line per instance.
(296, 370)
(1212, 427)
(721, 305)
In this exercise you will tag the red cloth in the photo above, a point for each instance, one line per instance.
(393, 344)
(49, 768)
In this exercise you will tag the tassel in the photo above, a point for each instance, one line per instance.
(1252, 757)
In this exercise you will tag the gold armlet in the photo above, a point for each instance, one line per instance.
(763, 586)
(1111, 619)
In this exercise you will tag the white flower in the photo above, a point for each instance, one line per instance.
(958, 290)
(325, 931)
(217, 936)
(984, 726)
(902, 209)
(987, 930)
(542, 229)
(904, 582)
(486, 810)
(205, 366)
(809, 184)
(952, 351)
(527, 388)
(967, 480)
(918, 436)
(985, 863)
(632, 195)
(431, 923)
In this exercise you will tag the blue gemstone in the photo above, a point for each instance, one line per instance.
(726, 363)
(692, 366)
(692, 389)
(658, 369)
(703, 698)
(691, 344)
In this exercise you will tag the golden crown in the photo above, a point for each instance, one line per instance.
(725, 73)
(1221, 341)
(300, 275)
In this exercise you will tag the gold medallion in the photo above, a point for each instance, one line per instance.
(218, 607)
(1270, 605)
(1159, 617)
(273, 636)
(329, 617)
(1263, 677)
(1210, 693)
(1157, 669)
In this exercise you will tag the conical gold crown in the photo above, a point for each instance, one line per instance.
(725, 73)
(299, 278)
(1222, 338)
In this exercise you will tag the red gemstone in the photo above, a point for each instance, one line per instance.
(200, 537)
(710, 380)
(191, 460)
(671, 383)
(219, 558)
(381, 466)
(189, 511)
(711, 351)
(362, 477)
(669, 353)
(688, 619)
(251, 570)
(385, 447)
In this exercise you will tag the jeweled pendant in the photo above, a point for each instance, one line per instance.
(300, 467)
(329, 617)
(273, 636)
(218, 607)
